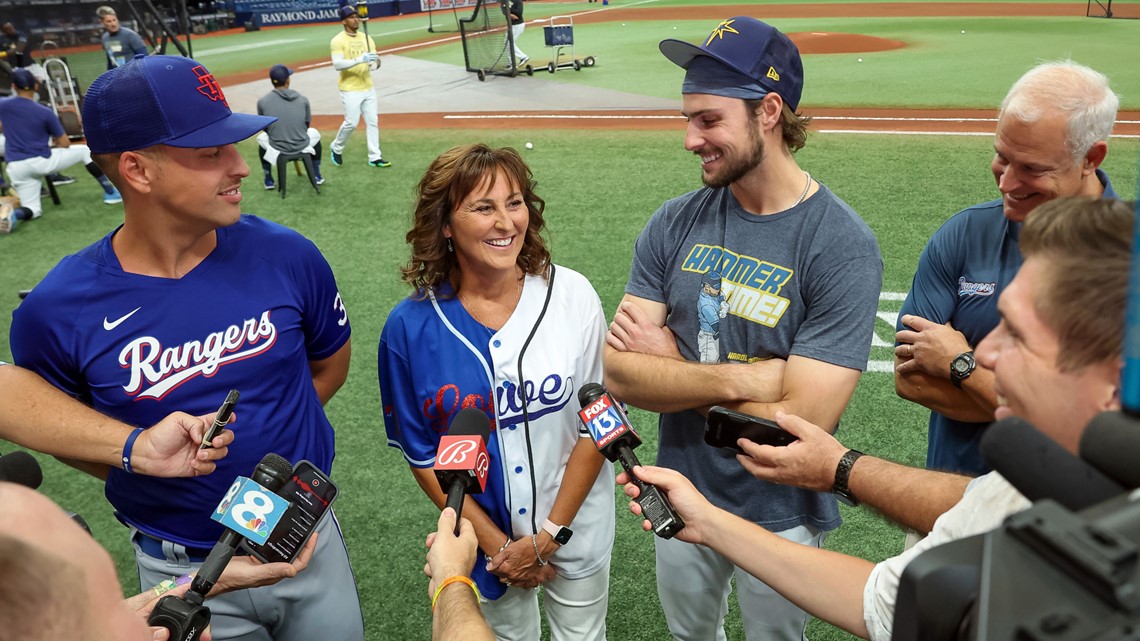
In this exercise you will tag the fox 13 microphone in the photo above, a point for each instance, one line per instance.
(251, 509)
(462, 463)
(615, 438)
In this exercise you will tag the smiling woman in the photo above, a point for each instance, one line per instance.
(494, 325)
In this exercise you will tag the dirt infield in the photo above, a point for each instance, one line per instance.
(832, 120)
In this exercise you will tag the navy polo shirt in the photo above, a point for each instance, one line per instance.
(28, 128)
(966, 265)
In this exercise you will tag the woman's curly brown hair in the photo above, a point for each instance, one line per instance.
(448, 180)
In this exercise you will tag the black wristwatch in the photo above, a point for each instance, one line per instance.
(842, 472)
(961, 367)
(561, 533)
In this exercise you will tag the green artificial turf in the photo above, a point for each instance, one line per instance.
(939, 67)
(600, 188)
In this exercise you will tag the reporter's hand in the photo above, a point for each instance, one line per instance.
(693, 507)
(809, 463)
(170, 448)
(449, 555)
(247, 572)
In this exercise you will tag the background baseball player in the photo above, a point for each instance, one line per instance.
(29, 128)
(353, 55)
(291, 133)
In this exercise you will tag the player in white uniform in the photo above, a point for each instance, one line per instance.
(353, 55)
(490, 310)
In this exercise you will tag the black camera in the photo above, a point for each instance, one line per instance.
(1047, 573)
(185, 619)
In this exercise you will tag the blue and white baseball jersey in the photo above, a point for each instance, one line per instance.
(435, 359)
(249, 317)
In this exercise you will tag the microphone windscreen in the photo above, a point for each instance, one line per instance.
(273, 471)
(470, 422)
(1111, 444)
(21, 468)
(589, 393)
(1041, 469)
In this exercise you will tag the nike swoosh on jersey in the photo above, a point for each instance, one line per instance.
(110, 325)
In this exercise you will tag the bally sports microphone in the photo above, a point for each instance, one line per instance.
(21, 468)
(462, 463)
(615, 438)
(1041, 469)
(245, 499)
(1110, 443)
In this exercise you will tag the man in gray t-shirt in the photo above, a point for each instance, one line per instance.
(119, 43)
(757, 292)
(291, 134)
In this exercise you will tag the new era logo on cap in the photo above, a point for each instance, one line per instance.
(166, 100)
(751, 48)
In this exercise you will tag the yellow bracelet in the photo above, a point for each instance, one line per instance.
(458, 578)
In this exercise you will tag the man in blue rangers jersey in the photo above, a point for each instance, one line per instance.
(1052, 135)
(185, 301)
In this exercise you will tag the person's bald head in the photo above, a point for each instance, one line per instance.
(58, 582)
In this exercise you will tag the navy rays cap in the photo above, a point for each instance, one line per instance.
(23, 79)
(278, 74)
(162, 100)
(742, 58)
(348, 10)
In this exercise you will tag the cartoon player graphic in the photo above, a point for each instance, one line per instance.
(711, 307)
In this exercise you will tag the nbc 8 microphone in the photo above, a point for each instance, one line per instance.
(615, 438)
(186, 618)
(462, 463)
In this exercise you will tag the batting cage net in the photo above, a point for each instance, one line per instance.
(444, 15)
(488, 46)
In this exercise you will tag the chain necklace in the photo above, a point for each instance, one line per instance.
(471, 308)
(807, 186)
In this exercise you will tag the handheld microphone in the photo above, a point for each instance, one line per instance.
(462, 462)
(1110, 443)
(21, 468)
(186, 617)
(1041, 469)
(615, 438)
(251, 517)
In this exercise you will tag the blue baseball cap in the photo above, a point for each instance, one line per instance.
(348, 10)
(162, 100)
(754, 58)
(23, 79)
(278, 74)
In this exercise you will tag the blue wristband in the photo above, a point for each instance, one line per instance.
(127, 447)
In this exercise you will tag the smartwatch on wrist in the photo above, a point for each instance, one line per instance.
(560, 533)
(842, 472)
(961, 367)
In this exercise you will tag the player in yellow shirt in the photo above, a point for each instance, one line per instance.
(353, 55)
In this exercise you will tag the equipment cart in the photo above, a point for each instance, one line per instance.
(559, 35)
(63, 93)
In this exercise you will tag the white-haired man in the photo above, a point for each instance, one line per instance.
(1052, 135)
